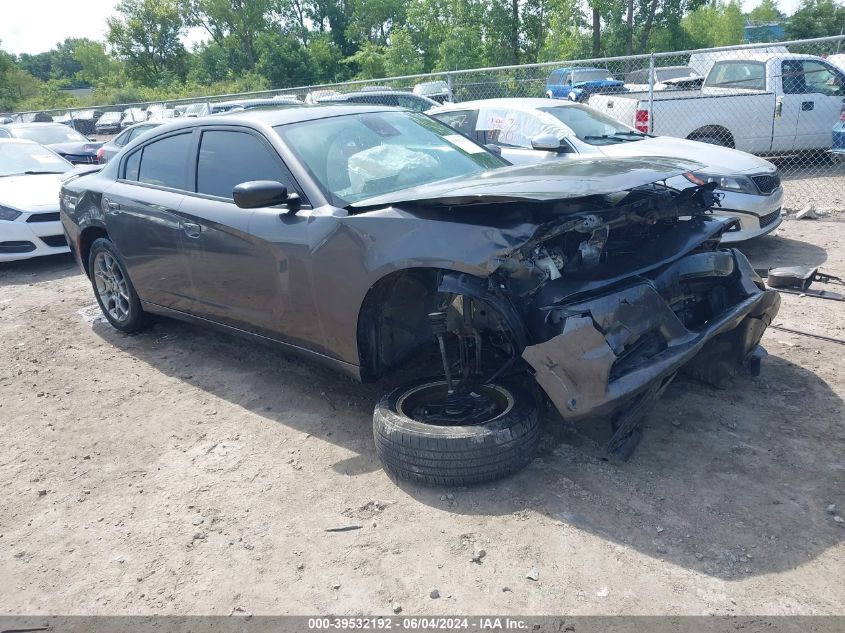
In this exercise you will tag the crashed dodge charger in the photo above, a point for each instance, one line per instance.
(384, 244)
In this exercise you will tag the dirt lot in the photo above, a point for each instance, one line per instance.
(183, 471)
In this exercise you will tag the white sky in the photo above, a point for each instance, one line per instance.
(36, 26)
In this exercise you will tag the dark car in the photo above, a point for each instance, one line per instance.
(65, 141)
(109, 123)
(395, 98)
(223, 107)
(85, 121)
(377, 240)
(112, 147)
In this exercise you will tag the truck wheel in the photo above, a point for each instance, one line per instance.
(411, 445)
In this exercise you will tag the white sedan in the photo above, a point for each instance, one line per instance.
(30, 179)
(534, 130)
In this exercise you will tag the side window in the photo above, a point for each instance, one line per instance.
(822, 79)
(163, 162)
(4, 133)
(132, 164)
(412, 104)
(463, 121)
(122, 139)
(229, 158)
(745, 75)
(637, 77)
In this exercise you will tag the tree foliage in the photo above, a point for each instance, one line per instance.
(256, 44)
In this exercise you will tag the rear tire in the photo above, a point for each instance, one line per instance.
(113, 289)
(456, 455)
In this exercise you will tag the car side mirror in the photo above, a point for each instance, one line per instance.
(493, 149)
(546, 142)
(256, 194)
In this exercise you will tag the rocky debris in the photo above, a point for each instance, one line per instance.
(807, 213)
(533, 574)
(344, 528)
(659, 529)
(477, 555)
(434, 594)
(831, 509)
(336, 584)
(197, 521)
(838, 519)
(41, 493)
(397, 608)
(604, 592)
(506, 589)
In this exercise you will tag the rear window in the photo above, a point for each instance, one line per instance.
(738, 74)
(164, 162)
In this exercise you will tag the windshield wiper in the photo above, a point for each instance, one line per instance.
(611, 137)
(630, 133)
(36, 172)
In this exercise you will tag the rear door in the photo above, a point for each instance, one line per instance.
(142, 218)
(239, 276)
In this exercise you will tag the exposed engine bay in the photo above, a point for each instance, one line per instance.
(610, 299)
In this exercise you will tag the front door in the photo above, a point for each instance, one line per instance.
(238, 275)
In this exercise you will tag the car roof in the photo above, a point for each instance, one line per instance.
(272, 118)
(24, 141)
(570, 68)
(371, 93)
(32, 124)
(512, 103)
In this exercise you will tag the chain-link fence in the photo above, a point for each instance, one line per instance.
(783, 101)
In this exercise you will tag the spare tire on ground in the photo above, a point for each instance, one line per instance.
(455, 454)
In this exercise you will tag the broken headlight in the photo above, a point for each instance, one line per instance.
(740, 184)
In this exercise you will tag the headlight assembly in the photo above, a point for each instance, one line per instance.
(741, 184)
(9, 214)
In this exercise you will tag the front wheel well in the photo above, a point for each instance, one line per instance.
(86, 239)
(393, 320)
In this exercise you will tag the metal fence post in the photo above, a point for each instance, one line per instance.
(650, 93)
(451, 88)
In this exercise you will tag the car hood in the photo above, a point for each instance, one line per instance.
(553, 180)
(38, 192)
(714, 158)
(75, 148)
(604, 83)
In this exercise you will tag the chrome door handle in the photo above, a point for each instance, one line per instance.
(114, 207)
(192, 229)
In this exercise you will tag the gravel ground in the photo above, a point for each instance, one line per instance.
(182, 471)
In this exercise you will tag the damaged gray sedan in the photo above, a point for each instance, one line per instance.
(384, 244)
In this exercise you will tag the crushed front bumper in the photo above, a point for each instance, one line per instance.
(615, 346)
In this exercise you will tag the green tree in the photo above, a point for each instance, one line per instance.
(766, 11)
(283, 61)
(816, 18)
(716, 24)
(232, 23)
(39, 65)
(368, 61)
(96, 66)
(401, 56)
(326, 59)
(147, 36)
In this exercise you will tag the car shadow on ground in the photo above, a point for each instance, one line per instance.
(771, 251)
(729, 483)
(38, 269)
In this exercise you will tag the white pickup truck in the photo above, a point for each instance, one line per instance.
(760, 103)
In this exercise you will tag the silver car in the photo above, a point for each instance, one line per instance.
(536, 130)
